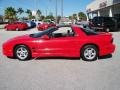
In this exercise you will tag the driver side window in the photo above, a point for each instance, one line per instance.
(63, 32)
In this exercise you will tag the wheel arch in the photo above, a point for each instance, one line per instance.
(98, 48)
(21, 45)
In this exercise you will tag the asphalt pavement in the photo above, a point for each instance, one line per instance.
(59, 73)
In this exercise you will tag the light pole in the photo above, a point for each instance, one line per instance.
(46, 12)
(61, 8)
(56, 11)
(35, 5)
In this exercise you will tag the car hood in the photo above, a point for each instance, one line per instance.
(19, 38)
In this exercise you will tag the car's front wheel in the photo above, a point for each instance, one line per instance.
(17, 29)
(89, 53)
(22, 53)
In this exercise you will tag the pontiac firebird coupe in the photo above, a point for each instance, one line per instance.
(72, 41)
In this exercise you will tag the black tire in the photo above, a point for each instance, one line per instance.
(87, 55)
(23, 54)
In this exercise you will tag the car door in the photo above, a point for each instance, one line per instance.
(59, 44)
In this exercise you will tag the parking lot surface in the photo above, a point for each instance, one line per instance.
(59, 73)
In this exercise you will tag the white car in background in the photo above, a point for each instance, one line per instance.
(37, 22)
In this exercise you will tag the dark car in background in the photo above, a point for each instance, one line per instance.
(117, 22)
(30, 24)
(105, 23)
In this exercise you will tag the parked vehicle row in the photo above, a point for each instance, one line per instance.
(97, 23)
(19, 26)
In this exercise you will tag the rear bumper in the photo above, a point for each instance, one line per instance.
(105, 50)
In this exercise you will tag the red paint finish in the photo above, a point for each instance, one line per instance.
(45, 26)
(16, 25)
(68, 46)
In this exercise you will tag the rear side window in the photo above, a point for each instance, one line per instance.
(89, 31)
(63, 32)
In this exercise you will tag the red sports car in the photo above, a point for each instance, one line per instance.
(70, 41)
(45, 26)
(16, 26)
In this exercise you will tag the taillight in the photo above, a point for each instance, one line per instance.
(112, 40)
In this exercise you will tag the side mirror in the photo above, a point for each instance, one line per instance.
(45, 37)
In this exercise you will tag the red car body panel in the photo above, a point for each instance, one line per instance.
(63, 46)
(14, 26)
(45, 26)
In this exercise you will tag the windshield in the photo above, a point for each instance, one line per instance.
(45, 32)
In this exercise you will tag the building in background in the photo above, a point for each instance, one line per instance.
(109, 8)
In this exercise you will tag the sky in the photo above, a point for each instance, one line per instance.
(47, 6)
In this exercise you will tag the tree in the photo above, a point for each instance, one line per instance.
(10, 14)
(82, 16)
(39, 14)
(75, 16)
(70, 17)
(20, 11)
(50, 17)
(42, 17)
(29, 12)
(33, 17)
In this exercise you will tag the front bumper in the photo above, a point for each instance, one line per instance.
(7, 51)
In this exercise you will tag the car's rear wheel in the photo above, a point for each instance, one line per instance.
(89, 53)
(22, 53)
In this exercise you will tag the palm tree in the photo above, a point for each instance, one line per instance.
(20, 11)
(82, 16)
(29, 12)
(42, 17)
(70, 17)
(75, 16)
(10, 14)
(38, 14)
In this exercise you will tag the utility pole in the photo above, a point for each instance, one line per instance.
(56, 11)
(35, 5)
(46, 12)
(61, 8)
(35, 9)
